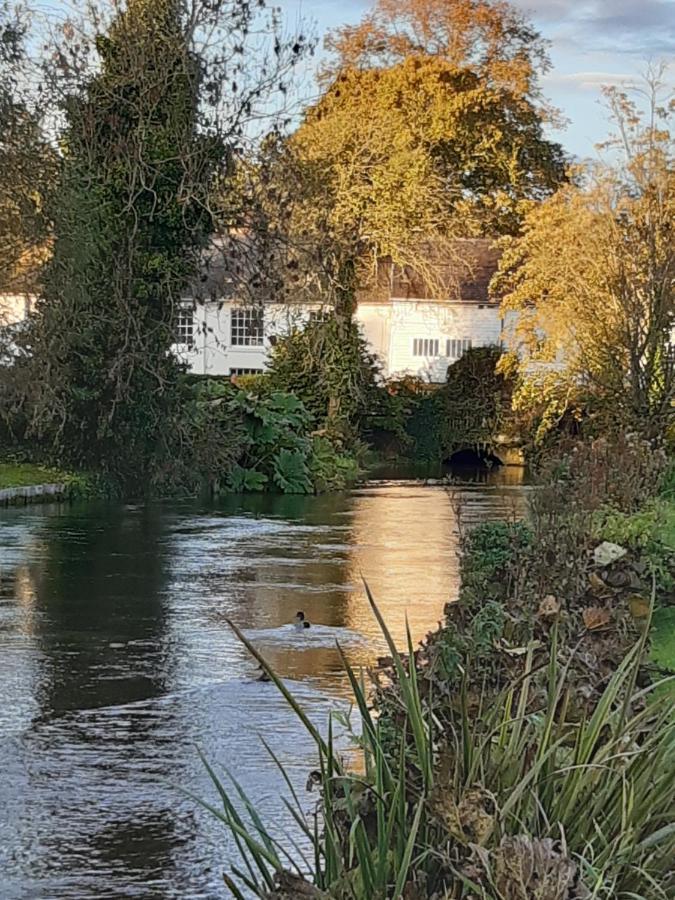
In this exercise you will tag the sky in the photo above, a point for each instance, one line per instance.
(593, 42)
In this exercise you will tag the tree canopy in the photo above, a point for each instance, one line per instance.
(428, 128)
(425, 147)
(490, 37)
(592, 279)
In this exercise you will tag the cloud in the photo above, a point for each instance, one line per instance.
(589, 81)
(639, 27)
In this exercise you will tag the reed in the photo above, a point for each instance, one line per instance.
(505, 802)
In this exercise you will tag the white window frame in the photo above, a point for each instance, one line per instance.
(184, 328)
(237, 371)
(318, 316)
(247, 327)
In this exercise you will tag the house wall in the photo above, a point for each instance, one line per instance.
(411, 320)
(213, 352)
(374, 320)
(14, 308)
(390, 329)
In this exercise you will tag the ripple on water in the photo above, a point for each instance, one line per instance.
(118, 665)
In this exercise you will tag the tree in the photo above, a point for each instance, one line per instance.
(151, 110)
(422, 133)
(592, 278)
(489, 37)
(425, 148)
(27, 165)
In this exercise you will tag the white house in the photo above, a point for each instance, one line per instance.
(411, 333)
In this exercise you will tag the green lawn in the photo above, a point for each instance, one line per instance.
(22, 474)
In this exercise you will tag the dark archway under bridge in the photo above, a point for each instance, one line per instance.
(473, 457)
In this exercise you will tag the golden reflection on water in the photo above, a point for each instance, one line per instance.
(403, 539)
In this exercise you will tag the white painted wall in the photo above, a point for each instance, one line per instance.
(213, 352)
(390, 329)
(411, 320)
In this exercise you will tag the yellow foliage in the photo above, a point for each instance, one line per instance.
(424, 147)
(592, 281)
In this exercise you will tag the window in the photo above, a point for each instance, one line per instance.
(247, 327)
(185, 326)
(319, 315)
(236, 372)
(457, 347)
(425, 347)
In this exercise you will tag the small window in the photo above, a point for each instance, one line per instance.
(185, 326)
(236, 372)
(457, 347)
(247, 327)
(425, 347)
(319, 315)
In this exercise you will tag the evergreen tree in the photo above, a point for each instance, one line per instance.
(129, 219)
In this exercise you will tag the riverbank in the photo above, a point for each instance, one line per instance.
(19, 475)
(535, 699)
(23, 483)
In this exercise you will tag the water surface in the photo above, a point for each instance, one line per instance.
(118, 665)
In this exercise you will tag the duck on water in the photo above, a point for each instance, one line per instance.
(300, 621)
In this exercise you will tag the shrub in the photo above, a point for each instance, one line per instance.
(477, 396)
(548, 584)
(279, 450)
(431, 421)
(327, 365)
(505, 803)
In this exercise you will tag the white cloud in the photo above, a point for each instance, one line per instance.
(589, 80)
(638, 27)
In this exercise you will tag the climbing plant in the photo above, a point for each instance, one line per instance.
(477, 400)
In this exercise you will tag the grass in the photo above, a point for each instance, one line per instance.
(26, 474)
(669, 525)
(516, 797)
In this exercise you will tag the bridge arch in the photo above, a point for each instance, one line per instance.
(474, 457)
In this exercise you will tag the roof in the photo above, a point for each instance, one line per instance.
(462, 271)
(461, 275)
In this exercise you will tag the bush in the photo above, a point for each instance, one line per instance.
(279, 450)
(206, 440)
(504, 803)
(327, 365)
(549, 584)
(430, 422)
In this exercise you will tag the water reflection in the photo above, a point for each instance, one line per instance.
(117, 662)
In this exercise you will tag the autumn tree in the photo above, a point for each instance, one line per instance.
(591, 280)
(429, 127)
(27, 164)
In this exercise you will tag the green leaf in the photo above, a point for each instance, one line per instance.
(242, 479)
(663, 638)
(291, 473)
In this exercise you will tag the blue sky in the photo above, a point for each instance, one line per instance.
(593, 42)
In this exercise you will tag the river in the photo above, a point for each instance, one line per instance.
(118, 665)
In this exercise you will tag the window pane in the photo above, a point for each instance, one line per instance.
(185, 328)
(247, 327)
